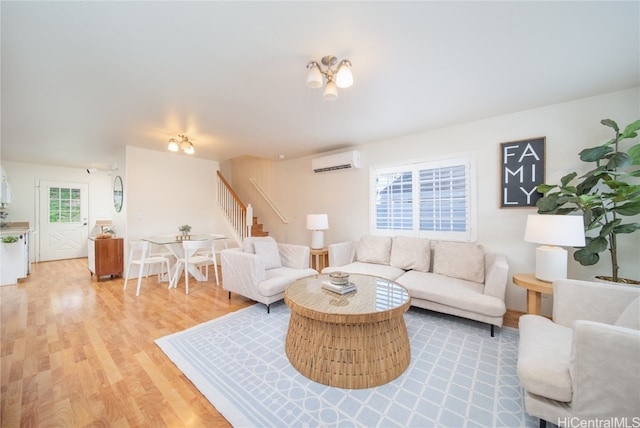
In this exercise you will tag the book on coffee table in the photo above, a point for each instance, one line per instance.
(340, 289)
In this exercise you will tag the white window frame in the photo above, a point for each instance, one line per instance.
(466, 159)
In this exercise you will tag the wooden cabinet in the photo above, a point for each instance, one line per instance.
(105, 257)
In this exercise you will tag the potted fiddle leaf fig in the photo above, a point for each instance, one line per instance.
(606, 194)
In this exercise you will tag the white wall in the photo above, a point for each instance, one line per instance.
(165, 190)
(344, 195)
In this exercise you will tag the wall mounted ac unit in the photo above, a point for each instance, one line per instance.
(336, 162)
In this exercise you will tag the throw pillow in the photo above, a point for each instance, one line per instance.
(630, 317)
(268, 251)
(463, 260)
(410, 253)
(247, 244)
(374, 249)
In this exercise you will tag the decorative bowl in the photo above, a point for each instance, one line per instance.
(339, 278)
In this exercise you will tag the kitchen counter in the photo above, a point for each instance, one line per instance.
(14, 257)
(14, 230)
(15, 227)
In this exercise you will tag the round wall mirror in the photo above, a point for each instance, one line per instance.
(118, 193)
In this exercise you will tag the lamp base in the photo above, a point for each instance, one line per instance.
(551, 263)
(317, 240)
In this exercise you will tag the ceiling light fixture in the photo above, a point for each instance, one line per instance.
(185, 145)
(337, 77)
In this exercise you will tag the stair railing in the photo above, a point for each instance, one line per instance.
(269, 201)
(236, 213)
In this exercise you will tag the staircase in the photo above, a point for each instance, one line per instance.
(256, 228)
(237, 213)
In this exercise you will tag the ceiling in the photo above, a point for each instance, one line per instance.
(80, 80)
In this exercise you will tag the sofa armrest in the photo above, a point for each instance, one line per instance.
(294, 256)
(241, 272)
(605, 366)
(342, 253)
(587, 300)
(496, 273)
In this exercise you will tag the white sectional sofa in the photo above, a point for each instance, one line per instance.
(457, 278)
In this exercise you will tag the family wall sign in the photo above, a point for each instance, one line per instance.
(522, 169)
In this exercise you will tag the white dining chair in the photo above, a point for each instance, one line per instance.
(139, 256)
(212, 253)
(191, 259)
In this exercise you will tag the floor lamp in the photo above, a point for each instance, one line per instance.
(317, 223)
(553, 231)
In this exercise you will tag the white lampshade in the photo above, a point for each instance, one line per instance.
(344, 77)
(317, 223)
(553, 230)
(314, 77)
(330, 91)
(565, 230)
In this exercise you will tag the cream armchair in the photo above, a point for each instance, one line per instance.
(585, 363)
(263, 268)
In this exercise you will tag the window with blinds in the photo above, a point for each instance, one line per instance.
(431, 199)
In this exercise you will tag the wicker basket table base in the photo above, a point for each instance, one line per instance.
(349, 341)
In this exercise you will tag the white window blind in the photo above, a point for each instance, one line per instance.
(431, 199)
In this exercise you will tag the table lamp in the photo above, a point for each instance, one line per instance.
(317, 223)
(553, 231)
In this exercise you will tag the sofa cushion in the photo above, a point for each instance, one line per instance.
(268, 251)
(410, 253)
(279, 279)
(374, 249)
(454, 292)
(464, 260)
(630, 317)
(382, 271)
(248, 243)
(544, 357)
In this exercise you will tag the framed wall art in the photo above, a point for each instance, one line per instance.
(522, 169)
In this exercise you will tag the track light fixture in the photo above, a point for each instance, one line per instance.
(337, 77)
(185, 145)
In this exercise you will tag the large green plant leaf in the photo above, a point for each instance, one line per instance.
(630, 208)
(567, 179)
(596, 245)
(588, 184)
(595, 153)
(619, 160)
(611, 124)
(630, 130)
(608, 228)
(586, 258)
(545, 188)
(627, 228)
(634, 153)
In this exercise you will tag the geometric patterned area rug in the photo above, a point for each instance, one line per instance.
(458, 375)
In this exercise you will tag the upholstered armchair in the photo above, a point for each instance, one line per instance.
(585, 362)
(263, 268)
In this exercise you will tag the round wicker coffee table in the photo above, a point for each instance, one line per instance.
(355, 340)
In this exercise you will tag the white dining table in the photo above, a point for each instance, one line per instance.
(173, 243)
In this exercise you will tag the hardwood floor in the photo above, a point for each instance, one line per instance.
(77, 352)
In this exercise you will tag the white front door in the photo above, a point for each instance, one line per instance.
(63, 224)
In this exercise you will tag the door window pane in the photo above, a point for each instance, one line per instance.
(64, 205)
